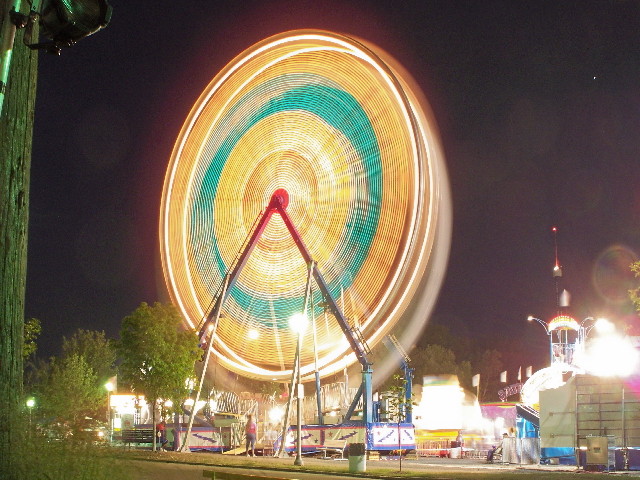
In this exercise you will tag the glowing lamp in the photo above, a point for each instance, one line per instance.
(31, 402)
(276, 414)
(604, 326)
(253, 334)
(611, 356)
(298, 323)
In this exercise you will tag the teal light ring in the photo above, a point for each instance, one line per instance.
(323, 102)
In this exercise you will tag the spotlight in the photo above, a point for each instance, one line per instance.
(63, 22)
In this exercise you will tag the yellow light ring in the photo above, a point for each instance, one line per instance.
(323, 117)
(563, 322)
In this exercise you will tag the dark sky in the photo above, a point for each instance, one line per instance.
(538, 103)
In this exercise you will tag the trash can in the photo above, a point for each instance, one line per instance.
(357, 458)
(456, 450)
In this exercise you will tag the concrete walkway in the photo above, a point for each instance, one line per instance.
(167, 466)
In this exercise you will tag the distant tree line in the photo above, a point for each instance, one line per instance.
(441, 352)
(154, 357)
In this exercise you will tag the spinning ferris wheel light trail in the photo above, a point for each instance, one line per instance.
(341, 129)
(333, 136)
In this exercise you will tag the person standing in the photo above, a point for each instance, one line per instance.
(162, 434)
(250, 430)
(460, 443)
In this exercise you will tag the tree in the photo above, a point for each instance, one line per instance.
(437, 334)
(70, 392)
(16, 130)
(32, 330)
(434, 360)
(634, 294)
(465, 375)
(98, 351)
(489, 366)
(157, 355)
(71, 387)
(399, 407)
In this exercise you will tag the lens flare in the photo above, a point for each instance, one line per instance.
(612, 277)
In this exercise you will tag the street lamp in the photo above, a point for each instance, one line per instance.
(110, 388)
(548, 332)
(602, 326)
(298, 324)
(31, 402)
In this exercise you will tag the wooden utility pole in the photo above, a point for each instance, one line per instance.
(16, 130)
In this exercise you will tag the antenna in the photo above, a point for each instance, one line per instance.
(557, 270)
(562, 298)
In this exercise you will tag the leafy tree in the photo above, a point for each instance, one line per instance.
(98, 351)
(489, 365)
(157, 355)
(71, 387)
(434, 360)
(459, 343)
(465, 374)
(634, 294)
(32, 330)
(70, 393)
(399, 406)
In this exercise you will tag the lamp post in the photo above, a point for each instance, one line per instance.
(298, 324)
(546, 330)
(110, 387)
(602, 325)
(31, 402)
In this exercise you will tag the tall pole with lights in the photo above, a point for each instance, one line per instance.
(211, 331)
(531, 318)
(110, 388)
(298, 324)
(31, 402)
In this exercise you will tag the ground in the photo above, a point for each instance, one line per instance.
(169, 465)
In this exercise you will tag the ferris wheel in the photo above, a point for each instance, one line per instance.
(316, 142)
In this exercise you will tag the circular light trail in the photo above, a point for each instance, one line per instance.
(335, 129)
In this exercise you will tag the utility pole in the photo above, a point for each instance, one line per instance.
(16, 131)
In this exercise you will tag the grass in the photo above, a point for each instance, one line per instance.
(39, 459)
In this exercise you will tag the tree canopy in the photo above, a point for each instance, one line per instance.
(32, 330)
(70, 392)
(70, 388)
(157, 355)
(96, 349)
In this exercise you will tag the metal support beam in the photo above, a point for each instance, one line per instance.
(278, 204)
(214, 325)
(354, 342)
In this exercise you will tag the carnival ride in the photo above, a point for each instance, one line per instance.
(307, 179)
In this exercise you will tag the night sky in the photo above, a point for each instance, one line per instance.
(538, 104)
